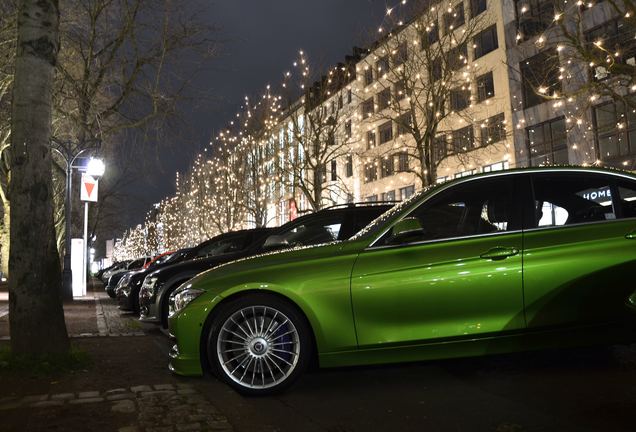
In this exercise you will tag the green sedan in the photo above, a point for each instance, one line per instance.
(498, 262)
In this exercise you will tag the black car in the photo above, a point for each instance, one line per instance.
(332, 224)
(115, 277)
(127, 291)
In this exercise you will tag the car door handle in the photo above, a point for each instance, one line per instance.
(631, 235)
(499, 253)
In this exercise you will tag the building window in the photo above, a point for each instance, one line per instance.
(457, 57)
(340, 101)
(400, 90)
(463, 139)
(401, 54)
(436, 69)
(431, 36)
(454, 19)
(440, 147)
(407, 192)
(465, 173)
(368, 76)
(497, 166)
(371, 198)
(349, 96)
(386, 132)
(348, 129)
(370, 172)
(388, 196)
(384, 99)
(402, 161)
(485, 87)
(477, 7)
(534, 16)
(486, 41)
(459, 99)
(493, 130)
(331, 139)
(547, 143)
(367, 108)
(371, 141)
(323, 173)
(382, 65)
(403, 124)
(334, 170)
(615, 129)
(386, 167)
(540, 76)
(349, 166)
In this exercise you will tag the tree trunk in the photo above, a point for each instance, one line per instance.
(4, 239)
(35, 302)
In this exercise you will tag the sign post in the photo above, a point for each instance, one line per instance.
(88, 193)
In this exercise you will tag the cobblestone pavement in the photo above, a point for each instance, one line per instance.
(111, 321)
(105, 319)
(159, 407)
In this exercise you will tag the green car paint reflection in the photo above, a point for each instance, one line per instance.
(493, 263)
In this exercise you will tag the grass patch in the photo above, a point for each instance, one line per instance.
(44, 365)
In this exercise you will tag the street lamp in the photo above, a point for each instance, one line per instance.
(95, 168)
(69, 157)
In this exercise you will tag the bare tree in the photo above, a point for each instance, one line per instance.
(319, 130)
(35, 296)
(122, 69)
(8, 24)
(423, 74)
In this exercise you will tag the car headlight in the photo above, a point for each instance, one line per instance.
(150, 282)
(182, 297)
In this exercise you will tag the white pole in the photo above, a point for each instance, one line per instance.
(84, 272)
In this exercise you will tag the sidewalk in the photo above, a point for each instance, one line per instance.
(128, 388)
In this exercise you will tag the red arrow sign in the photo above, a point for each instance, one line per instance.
(88, 189)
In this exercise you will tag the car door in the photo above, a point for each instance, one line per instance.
(580, 253)
(461, 276)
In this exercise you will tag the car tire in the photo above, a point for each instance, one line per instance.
(259, 344)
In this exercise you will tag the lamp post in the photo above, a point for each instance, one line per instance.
(69, 157)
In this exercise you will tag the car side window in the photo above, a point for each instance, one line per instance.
(627, 196)
(313, 232)
(570, 198)
(477, 207)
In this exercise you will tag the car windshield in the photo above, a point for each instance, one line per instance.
(164, 259)
(375, 224)
(136, 264)
(222, 246)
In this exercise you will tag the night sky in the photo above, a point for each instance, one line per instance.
(260, 40)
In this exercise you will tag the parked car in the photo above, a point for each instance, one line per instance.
(163, 257)
(336, 223)
(116, 276)
(497, 262)
(108, 272)
(127, 291)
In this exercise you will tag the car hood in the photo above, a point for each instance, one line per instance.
(194, 266)
(245, 268)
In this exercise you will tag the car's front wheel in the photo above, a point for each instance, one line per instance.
(259, 344)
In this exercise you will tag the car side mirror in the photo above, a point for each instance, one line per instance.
(275, 241)
(406, 229)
